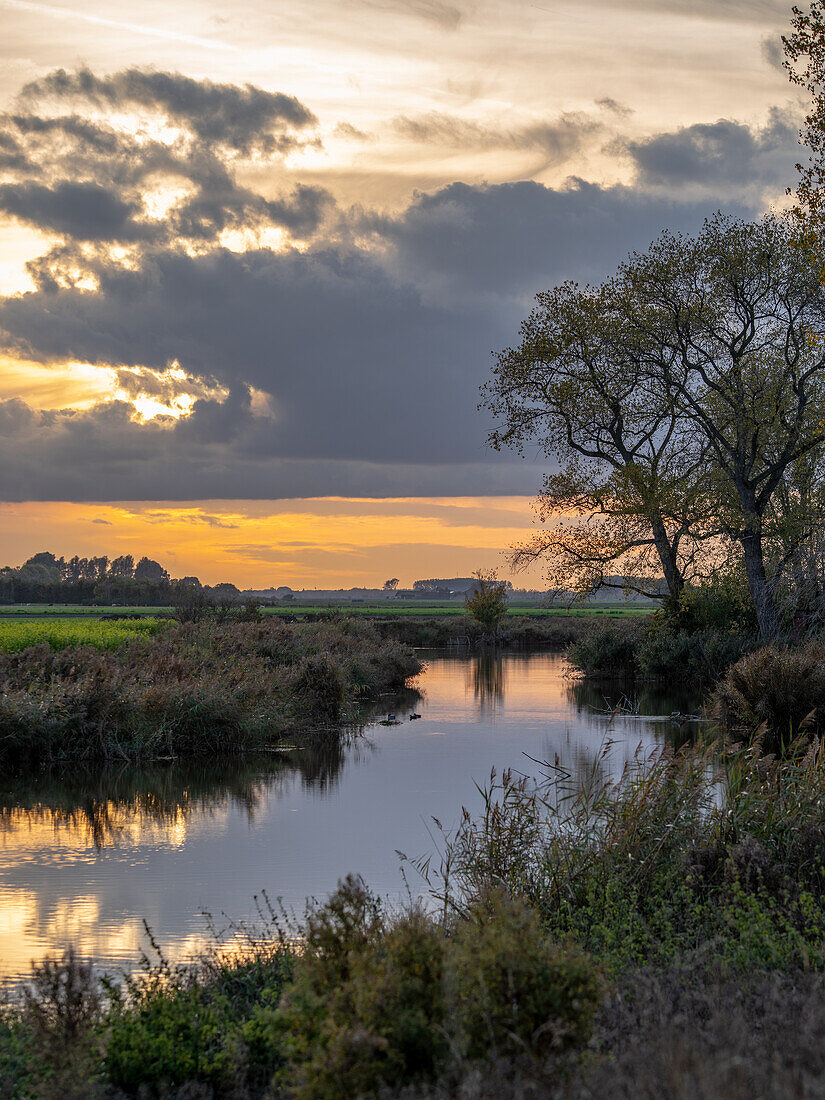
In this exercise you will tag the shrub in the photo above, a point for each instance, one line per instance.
(687, 850)
(511, 990)
(366, 1008)
(701, 658)
(208, 1026)
(608, 649)
(777, 692)
(60, 1027)
(170, 1037)
(487, 603)
(723, 604)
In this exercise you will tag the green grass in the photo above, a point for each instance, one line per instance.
(102, 634)
(399, 609)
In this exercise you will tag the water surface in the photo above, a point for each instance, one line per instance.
(88, 857)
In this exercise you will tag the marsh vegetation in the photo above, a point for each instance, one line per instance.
(146, 689)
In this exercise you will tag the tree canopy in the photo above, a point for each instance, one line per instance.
(678, 402)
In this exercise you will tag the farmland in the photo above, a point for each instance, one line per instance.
(17, 635)
(383, 609)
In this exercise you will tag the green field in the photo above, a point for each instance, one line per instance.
(421, 609)
(60, 633)
(50, 610)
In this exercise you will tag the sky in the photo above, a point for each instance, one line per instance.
(255, 258)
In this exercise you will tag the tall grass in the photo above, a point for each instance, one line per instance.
(778, 691)
(688, 849)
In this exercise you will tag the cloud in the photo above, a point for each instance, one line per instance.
(723, 154)
(445, 15)
(746, 11)
(240, 118)
(558, 139)
(371, 355)
(194, 518)
(95, 179)
(498, 244)
(773, 51)
(83, 211)
(614, 107)
(349, 132)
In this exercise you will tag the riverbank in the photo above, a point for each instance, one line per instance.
(192, 689)
(555, 631)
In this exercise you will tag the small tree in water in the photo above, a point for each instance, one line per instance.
(488, 602)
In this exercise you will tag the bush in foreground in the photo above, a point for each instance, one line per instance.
(372, 1003)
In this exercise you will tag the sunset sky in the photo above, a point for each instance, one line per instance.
(254, 258)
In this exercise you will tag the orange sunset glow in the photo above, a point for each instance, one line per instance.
(323, 543)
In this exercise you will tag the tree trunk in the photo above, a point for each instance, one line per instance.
(759, 588)
(670, 566)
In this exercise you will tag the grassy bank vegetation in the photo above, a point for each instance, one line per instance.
(523, 631)
(694, 639)
(191, 689)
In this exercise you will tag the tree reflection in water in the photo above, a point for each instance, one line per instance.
(594, 695)
(101, 804)
(489, 681)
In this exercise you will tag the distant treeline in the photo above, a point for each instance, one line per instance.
(45, 578)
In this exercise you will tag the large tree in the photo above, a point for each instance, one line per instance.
(627, 488)
(677, 399)
(732, 324)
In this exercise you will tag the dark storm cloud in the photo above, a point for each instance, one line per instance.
(84, 211)
(302, 211)
(558, 138)
(85, 179)
(508, 240)
(372, 355)
(241, 118)
(719, 153)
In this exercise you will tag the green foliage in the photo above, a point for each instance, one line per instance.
(210, 1026)
(722, 604)
(657, 652)
(488, 603)
(366, 1007)
(688, 853)
(700, 657)
(381, 1001)
(607, 650)
(510, 989)
(171, 1037)
(50, 1044)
